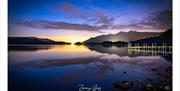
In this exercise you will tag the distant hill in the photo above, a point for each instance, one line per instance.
(32, 40)
(165, 37)
(122, 36)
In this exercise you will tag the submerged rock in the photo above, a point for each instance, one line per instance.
(149, 79)
(154, 69)
(124, 72)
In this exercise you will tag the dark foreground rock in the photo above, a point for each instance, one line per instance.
(123, 85)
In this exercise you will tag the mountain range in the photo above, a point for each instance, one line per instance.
(165, 37)
(122, 36)
(32, 40)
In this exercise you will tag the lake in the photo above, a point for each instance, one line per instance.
(64, 67)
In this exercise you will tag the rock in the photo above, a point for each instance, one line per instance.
(161, 87)
(154, 69)
(150, 80)
(167, 88)
(123, 85)
(139, 81)
(149, 86)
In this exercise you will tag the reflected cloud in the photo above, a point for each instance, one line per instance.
(57, 62)
(100, 63)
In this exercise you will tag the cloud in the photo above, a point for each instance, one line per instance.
(68, 8)
(157, 20)
(95, 17)
(43, 24)
(103, 19)
(71, 10)
(161, 20)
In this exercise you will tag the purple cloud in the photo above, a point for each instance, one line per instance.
(42, 24)
(161, 20)
(97, 16)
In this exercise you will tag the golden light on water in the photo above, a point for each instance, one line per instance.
(72, 43)
(69, 49)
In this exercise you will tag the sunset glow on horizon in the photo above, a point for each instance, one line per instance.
(71, 39)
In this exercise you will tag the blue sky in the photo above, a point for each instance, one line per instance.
(54, 18)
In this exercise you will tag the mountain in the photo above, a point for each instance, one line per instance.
(165, 37)
(122, 36)
(31, 40)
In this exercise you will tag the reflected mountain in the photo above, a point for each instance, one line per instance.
(109, 49)
(124, 51)
(27, 47)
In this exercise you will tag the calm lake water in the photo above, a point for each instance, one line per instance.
(64, 67)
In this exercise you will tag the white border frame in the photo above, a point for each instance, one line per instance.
(3, 45)
(176, 45)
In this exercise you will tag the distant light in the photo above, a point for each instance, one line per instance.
(72, 43)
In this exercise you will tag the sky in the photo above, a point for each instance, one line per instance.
(79, 20)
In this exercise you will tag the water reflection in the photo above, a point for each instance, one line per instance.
(120, 51)
(131, 52)
(63, 67)
(28, 47)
